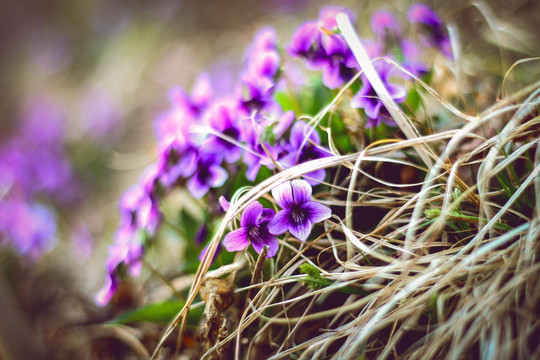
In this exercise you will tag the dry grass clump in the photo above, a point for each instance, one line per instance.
(432, 250)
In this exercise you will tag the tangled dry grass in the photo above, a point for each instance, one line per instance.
(449, 269)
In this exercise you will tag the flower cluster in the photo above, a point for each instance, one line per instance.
(203, 141)
(322, 47)
(34, 167)
(260, 226)
(207, 142)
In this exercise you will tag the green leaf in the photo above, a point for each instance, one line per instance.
(315, 281)
(161, 312)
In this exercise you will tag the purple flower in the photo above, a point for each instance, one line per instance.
(367, 98)
(223, 117)
(176, 162)
(434, 33)
(262, 66)
(298, 212)
(316, 42)
(29, 227)
(139, 211)
(385, 25)
(201, 95)
(257, 156)
(126, 255)
(209, 174)
(413, 61)
(304, 146)
(253, 229)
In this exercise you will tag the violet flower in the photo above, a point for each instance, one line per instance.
(304, 145)
(253, 229)
(129, 256)
(257, 155)
(322, 48)
(367, 98)
(200, 98)
(433, 32)
(299, 213)
(223, 117)
(29, 228)
(261, 71)
(209, 174)
(385, 25)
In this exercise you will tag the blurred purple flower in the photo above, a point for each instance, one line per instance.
(261, 70)
(140, 217)
(223, 117)
(29, 228)
(201, 96)
(323, 49)
(299, 213)
(385, 26)
(124, 255)
(367, 98)
(208, 174)
(303, 146)
(35, 159)
(412, 57)
(253, 229)
(259, 153)
(139, 211)
(433, 32)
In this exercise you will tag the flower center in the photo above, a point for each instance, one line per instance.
(254, 233)
(298, 216)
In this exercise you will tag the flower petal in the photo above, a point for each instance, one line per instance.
(267, 215)
(219, 176)
(300, 230)
(236, 240)
(280, 223)
(283, 194)
(197, 188)
(301, 191)
(315, 177)
(251, 215)
(316, 212)
(270, 241)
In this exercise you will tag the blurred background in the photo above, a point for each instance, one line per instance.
(80, 86)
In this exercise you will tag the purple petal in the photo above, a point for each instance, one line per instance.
(280, 223)
(283, 194)
(252, 171)
(384, 21)
(316, 177)
(301, 191)
(316, 212)
(327, 16)
(420, 13)
(267, 215)
(106, 293)
(334, 45)
(201, 93)
(300, 131)
(300, 230)
(284, 123)
(304, 38)
(252, 213)
(219, 176)
(233, 154)
(225, 204)
(270, 241)
(236, 240)
(398, 93)
(196, 188)
(332, 76)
